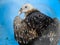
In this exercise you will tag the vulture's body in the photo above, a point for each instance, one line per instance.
(36, 29)
(38, 21)
(22, 33)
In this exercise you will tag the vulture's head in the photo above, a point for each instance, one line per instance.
(26, 8)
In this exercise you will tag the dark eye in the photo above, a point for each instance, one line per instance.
(25, 6)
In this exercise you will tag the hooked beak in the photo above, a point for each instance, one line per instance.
(20, 11)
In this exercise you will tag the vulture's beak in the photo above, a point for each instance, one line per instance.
(20, 11)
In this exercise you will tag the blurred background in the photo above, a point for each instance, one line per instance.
(9, 9)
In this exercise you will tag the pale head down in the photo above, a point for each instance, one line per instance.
(25, 8)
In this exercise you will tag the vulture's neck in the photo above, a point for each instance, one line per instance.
(31, 11)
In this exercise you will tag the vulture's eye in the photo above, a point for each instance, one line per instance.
(25, 6)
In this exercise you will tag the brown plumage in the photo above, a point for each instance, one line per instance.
(23, 34)
(36, 29)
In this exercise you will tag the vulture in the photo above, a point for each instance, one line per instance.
(36, 29)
